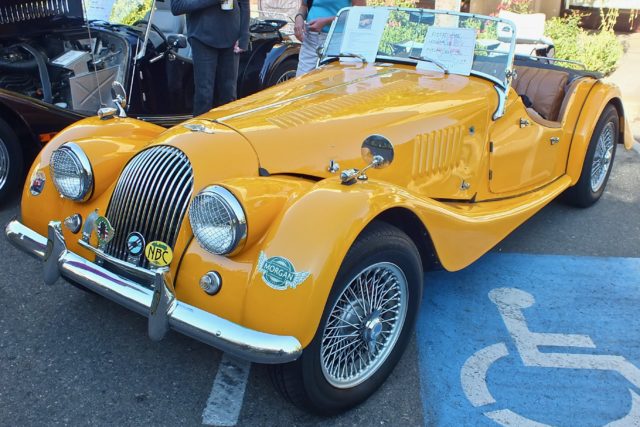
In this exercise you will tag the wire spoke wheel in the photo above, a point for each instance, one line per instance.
(286, 76)
(4, 164)
(602, 157)
(364, 325)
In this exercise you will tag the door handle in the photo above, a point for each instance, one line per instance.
(524, 123)
(554, 140)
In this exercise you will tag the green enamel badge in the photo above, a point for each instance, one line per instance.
(104, 230)
(278, 272)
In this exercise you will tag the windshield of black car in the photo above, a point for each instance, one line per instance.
(484, 43)
(122, 12)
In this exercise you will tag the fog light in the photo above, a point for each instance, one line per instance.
(73, 223)
(211, 283)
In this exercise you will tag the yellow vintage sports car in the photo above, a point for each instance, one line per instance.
(293, 227)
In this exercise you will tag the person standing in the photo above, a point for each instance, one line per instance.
(218, 32)
(312, 23)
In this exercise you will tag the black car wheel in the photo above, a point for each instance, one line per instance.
(365, 327)
(10, 161)
(283, 72)
(598, 161)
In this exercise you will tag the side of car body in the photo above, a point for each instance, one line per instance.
(471, 163)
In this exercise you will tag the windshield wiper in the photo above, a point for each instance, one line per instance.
(348, 55)
(433, 61)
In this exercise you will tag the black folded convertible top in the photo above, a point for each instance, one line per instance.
(26, 17)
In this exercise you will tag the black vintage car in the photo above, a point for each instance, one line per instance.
(57, 66)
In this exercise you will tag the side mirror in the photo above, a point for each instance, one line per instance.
(377, 151)
(177, 41)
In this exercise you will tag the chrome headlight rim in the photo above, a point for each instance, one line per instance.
(232, 204)
(86, 174)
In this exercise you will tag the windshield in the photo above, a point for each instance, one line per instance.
(445, 41)
(125, 12)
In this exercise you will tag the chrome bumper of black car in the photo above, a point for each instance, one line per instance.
(159, 305)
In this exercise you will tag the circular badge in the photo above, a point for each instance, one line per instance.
(135, 244)
(158, 253)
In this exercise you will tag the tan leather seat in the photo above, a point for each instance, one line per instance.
(544, 88)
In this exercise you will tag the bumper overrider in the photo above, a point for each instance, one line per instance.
(159, 305)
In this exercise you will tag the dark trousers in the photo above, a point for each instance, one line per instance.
(215, 75)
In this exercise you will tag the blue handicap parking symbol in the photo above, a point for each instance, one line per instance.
(532, 340)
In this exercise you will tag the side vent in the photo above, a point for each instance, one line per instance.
(438, 151)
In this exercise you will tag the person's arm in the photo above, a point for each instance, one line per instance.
(301, 16)
(318, 24)
(180, 7)
(243, 42)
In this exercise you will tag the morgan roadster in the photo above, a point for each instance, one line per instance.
(56, 68)
(293, 227)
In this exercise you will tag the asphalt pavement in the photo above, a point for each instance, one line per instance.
(72, 358)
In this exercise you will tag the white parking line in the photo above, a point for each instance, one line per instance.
(225, 401)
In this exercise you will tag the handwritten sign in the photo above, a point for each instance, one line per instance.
(99, 9)
(452, 47)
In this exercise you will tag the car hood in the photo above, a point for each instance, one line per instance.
(299, 126)
(28, 17)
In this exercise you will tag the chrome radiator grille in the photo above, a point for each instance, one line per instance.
(20, 11)
(151, 197)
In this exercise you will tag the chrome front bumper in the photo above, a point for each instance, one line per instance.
(159, 305)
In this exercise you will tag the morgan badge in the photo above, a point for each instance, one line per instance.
(278, 272)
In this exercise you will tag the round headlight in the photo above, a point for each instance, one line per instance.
(218, 221)
(71, 172)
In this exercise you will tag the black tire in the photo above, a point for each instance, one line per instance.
(304, 382)
(284, 71)
(583, 194)
(11, 162)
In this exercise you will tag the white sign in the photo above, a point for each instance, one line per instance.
(452, 47)
(99, 9)
(363, 31)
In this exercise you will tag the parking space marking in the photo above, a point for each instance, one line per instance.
(496, 342)
(227, 394)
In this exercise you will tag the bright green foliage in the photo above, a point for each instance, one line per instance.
(599, 51)
(398, 3)
(129, 11)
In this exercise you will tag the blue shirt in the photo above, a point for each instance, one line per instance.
(325, 9)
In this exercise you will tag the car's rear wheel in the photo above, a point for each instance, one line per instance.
(365, 327)
(10, 161)
(283, 72)
(598, 161)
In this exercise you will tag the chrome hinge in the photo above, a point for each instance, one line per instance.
(490, 174)
(491, 146)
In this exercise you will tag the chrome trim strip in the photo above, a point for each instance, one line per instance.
(125, 266)
(502, 102)
(161, 306)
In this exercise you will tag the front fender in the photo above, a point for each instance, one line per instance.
(314, 233)
(276, 56)
(109, 144)
(600, 96)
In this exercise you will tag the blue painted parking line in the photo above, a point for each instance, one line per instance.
(532, 340)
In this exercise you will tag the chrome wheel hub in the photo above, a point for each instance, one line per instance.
(364, 325)
(4, 164)
(602, 157)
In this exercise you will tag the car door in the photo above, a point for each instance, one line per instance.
(524, 154)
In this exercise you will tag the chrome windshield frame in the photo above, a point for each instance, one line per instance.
(510, 55)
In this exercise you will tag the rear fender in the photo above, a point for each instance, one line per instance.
(600, 96)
